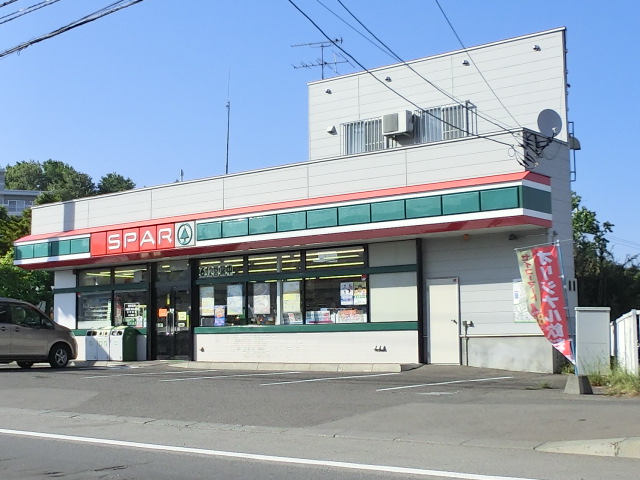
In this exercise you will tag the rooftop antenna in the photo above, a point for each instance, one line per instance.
(320, 62)
(226, 167)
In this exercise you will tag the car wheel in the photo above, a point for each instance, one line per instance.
(59, 356)
(25, 364)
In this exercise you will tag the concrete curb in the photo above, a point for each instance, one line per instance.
(627, 447)
(258, 366)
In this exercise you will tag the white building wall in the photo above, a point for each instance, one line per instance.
(525, 80)
(321, 347)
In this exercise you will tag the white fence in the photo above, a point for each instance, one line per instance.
(624, 339)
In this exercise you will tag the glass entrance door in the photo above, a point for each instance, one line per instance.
(173, 312)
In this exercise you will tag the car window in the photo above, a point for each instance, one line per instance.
(28, 317)
(4, 313)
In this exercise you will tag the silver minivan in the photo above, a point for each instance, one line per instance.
(28, 336)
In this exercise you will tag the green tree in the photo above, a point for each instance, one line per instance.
(114, 182)
(30, 285)
(66, 182)
(25, 176)
(602, 281)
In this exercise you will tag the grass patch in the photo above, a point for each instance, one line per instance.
(618, 382)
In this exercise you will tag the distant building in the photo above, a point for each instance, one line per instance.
(15, 201)
(393, 243)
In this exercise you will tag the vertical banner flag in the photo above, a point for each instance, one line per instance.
(544, 294)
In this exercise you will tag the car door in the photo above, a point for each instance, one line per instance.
(6, 328)
(31, 334)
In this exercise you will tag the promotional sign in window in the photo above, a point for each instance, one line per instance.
(235, 300)
(261, 299)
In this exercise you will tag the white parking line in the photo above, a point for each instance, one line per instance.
(442, 383)
(328, 378)
(147, 374)
(258, 457)
(228, 376)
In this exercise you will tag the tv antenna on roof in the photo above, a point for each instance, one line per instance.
(320, 62)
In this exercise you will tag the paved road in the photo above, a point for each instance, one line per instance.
(432, 419)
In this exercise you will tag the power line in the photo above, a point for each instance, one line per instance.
(474, 63)
(441, 90)
(24, 11)
(114, 7)
(391, 89)
(8, 2)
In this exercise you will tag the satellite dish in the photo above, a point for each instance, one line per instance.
(549, 123)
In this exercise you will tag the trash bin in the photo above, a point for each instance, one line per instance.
(122, 344)
(91, 345)
(102, 340)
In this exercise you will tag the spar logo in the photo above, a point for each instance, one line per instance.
(143, 239)
(184, 234)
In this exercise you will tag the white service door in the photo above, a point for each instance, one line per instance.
(443, 321)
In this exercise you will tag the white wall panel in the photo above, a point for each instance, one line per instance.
(322, 347)
(394, 297)
(64, 309)
(486, 266)
(64, 279)
(392, 253)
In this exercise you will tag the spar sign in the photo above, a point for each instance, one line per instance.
(544, 294)
(143, 239)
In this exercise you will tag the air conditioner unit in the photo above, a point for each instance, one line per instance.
(400, 123)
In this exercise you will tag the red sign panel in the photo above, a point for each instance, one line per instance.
(131, 240)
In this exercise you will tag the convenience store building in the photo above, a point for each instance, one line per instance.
(394, 243)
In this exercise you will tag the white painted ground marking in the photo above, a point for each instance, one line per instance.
(328, 378)
(437, 393)
(443, 383)
(229, 376)
(148, 374)
(259, 457)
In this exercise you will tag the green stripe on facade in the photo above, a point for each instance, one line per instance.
(421, 207)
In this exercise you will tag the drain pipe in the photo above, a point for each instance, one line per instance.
(466, 326)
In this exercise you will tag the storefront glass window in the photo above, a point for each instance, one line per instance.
(131, 274)
(94, 310)
(175, 271)
(344, 257)
(222, 305)
(88, 278)
(130, 308)
(221, 267)
(275, 262)
(336, 299)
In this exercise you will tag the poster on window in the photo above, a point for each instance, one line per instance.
(359, 293)
(261, 299)
(235, 300)
(207, 301)
(291, 297)
(520, 310)
(346, 293)
(219, 316)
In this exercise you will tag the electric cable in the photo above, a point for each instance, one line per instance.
(511, 146)
(474, 63)
(24, 11)
(114, 7)
(8, 2)
(441, 90)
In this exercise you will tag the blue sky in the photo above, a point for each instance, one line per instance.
(143, 92)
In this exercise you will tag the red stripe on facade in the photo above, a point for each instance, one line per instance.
(301, 241)
(307, 202)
